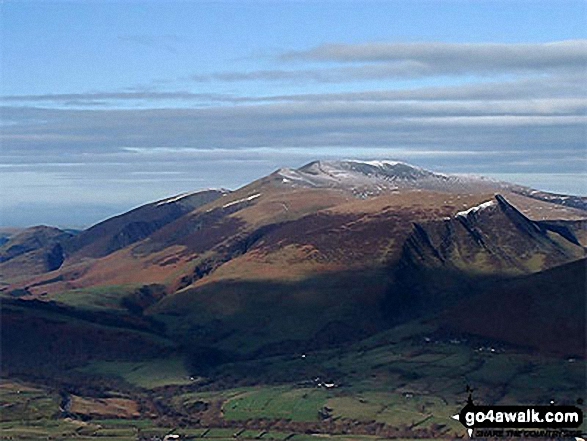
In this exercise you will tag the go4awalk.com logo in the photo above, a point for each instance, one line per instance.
(553, 421)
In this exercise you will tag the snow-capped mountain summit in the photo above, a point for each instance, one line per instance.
(370, 178)
(390, 170)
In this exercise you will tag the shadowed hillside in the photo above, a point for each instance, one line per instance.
(544, 311)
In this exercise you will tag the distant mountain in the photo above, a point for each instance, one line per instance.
(325, 254)
(33, 251)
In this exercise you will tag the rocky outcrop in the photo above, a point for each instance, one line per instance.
(494, 237)
(446, 261)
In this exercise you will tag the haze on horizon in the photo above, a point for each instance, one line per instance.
(106, 106)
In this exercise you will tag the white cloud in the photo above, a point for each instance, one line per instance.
(377, 61)
(462, 57)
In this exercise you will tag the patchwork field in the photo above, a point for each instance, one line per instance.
(402, 383)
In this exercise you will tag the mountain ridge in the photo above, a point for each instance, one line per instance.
(202, 227)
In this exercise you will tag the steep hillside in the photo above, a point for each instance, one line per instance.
(446, 260)
(195, 243)
(493, 237)
(120, 231)
(72, 255)
(544, 311)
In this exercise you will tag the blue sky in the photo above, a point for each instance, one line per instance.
(107, 105)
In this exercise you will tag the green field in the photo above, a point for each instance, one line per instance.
(149, 374)
(23, 402)
(94, 299)
(408, 378)
(276, 403)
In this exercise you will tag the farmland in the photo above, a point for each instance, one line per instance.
(402, 382)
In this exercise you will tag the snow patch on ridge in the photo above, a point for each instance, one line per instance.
(181, 196)
(475, 209)
(249, 198)
(176, 198)
(380, 163)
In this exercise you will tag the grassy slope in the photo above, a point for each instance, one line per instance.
(96, 298)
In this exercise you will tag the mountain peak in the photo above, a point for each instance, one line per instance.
(387, 170)
(359, 165)
(366, 178)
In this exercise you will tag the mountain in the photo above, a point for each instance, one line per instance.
(32, 251)
(325, 254)
(370, 178)
(492, 236)
(42, 249)
(356, 298)
(446, 260)
(347, 297)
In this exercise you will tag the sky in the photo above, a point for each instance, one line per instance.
(112, 104)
